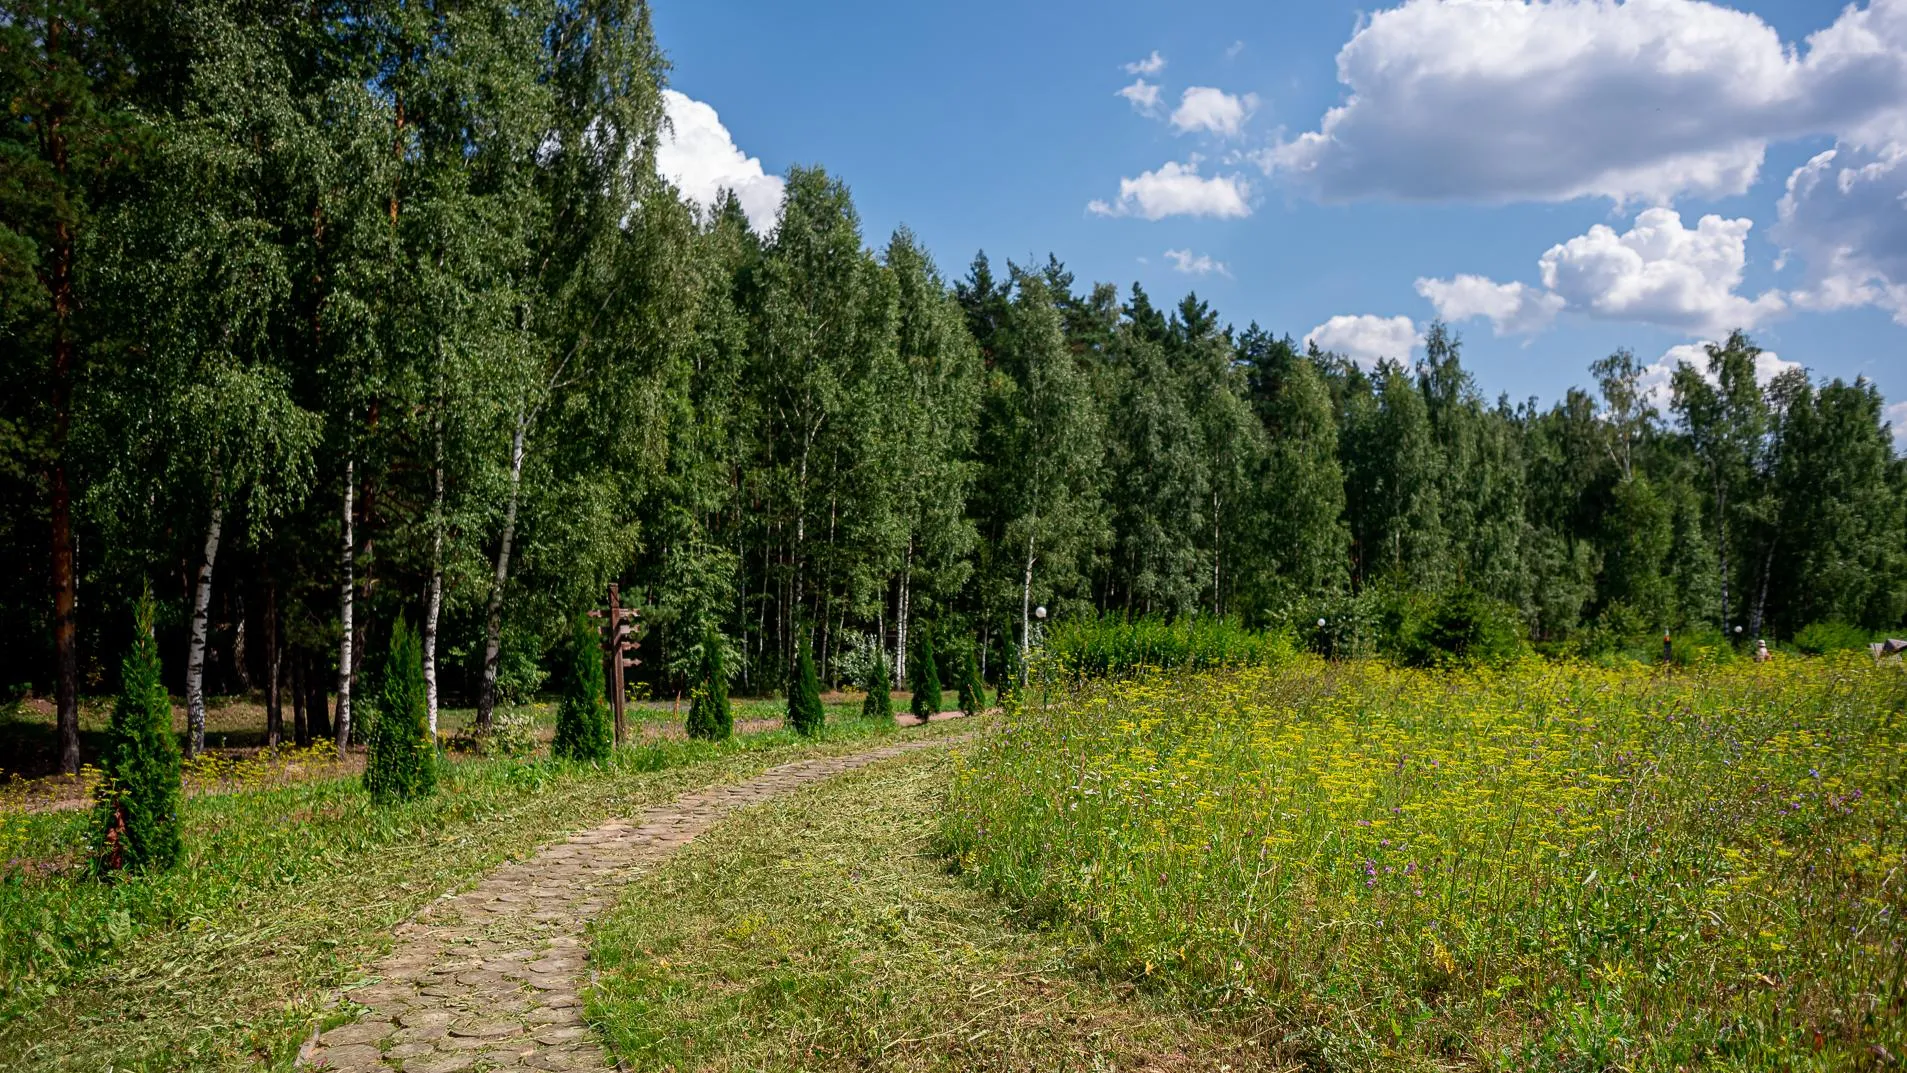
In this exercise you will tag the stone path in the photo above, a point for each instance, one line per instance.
(488, 979)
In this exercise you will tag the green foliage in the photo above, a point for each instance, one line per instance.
(1458, 627)
(709, 714)
(1012, 675)
(1823, 637)
(879, 705)
(805, 713)
(923, 675)
(401, 759)
(136, 818)
(584, 730)
(972, 697)
(1110, 645)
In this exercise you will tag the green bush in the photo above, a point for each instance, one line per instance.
(1111, 645)
(584, 730)
(136, 815)
(805, 714)
(1824, 637)
(1456, 628)
(1703, 646)
(879, 705)
(1012, 675)
(401, 756)
(709, 715)
(973, 690)
(924, 676)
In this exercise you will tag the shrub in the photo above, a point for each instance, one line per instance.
(879, 705)
(709, 714)
(583, 728)
(805, 714)
(401, 756)
(973, 690)
(136, 817)
(1457, 628)
(1824, 637)
(1012, 676)
(1112, 646)
(924, 677)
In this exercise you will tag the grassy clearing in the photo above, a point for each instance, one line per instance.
(820, 933)
(1551, 867)
(223, 963)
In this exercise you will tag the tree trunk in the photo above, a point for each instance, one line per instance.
(434, 599)
(902, 614)
(317, 701)
(1026, 601)
(300, 728)
(493, 620)
(195, 649)
(347, 591)
(274, 658)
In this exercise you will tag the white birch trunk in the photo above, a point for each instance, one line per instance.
(493, 625)
(347, 592)
(434, 600)
(195, 652)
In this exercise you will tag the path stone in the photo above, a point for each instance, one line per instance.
(488, 978)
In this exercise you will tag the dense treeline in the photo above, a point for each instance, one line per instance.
(325, 316)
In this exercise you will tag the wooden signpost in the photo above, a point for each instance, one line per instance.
(618, 640)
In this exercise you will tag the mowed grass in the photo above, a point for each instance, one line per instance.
(285, 893)
(820, 932)
(1552, 867)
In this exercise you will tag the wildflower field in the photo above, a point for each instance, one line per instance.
(1550, 866)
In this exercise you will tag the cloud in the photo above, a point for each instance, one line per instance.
(1513, 308)
(1178, 190)
(1206, 108)
(697, 154)
(1366, 339)
(1151, 65)
(1144, 96)
(1662, 273)
(1195, 264)
(1503, 100)
(1846, 212)
(1232, 51)
(1657, 375)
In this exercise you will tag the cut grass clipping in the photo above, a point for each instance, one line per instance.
(284, 893)
(819, 932)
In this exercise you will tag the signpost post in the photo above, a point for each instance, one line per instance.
(617, 643)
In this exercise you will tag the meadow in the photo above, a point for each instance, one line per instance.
(1545, 866)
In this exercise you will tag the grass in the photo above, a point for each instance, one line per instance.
(1111, 645)
(225, 962)
(1548, 867)
(819, 932)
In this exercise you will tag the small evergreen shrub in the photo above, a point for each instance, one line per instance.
(805, 714)
(973, 691)
(709, 715)
(1457, 628)
(136, 815)
(1012, 676)
(879, 705)
(1824, 637)
(924, 677)
(584, 730)
(401, 757)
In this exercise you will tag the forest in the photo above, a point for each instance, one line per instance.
(321, 316)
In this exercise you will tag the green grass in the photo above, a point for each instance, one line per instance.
(820, 932)
(1551, 867)
(1111, 645)
(285, 892)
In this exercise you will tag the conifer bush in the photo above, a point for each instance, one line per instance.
(709, 714)
(401, 757)
(973, 691)
(879, 706)
(583, 728)
(924, 677)
(805, 713)
(1012, 670)
(136, 817)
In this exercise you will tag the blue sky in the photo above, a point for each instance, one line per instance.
(1483, 133)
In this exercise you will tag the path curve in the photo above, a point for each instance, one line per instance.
(488, 979)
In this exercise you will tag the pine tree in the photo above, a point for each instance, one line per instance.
(805, 713)
(879, 706)
(709, 715)
(136, 819)
(973, 691)
(926, 678)
(583, 730)
(401, 760)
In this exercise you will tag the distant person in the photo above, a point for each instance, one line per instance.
(1762, 655)
(1668, 650)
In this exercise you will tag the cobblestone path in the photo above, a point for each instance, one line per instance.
(488, 979)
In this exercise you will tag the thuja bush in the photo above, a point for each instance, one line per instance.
(583, 729)
(879, 705)
(1012, 676)
(924, 677)
(973, 691)
(805, 714)
(136, 817)
(401, 760)
(709, 715)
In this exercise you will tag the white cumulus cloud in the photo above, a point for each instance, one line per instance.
(1845, 211)
(1200, 264)
(1208, 109)
(1366, 339)
(1151, 65)
(1657, 375)
(1500, 100)
(1178, 190)
(1513, 308)
(1144, 96)
(697, 154)
(1661, 272)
